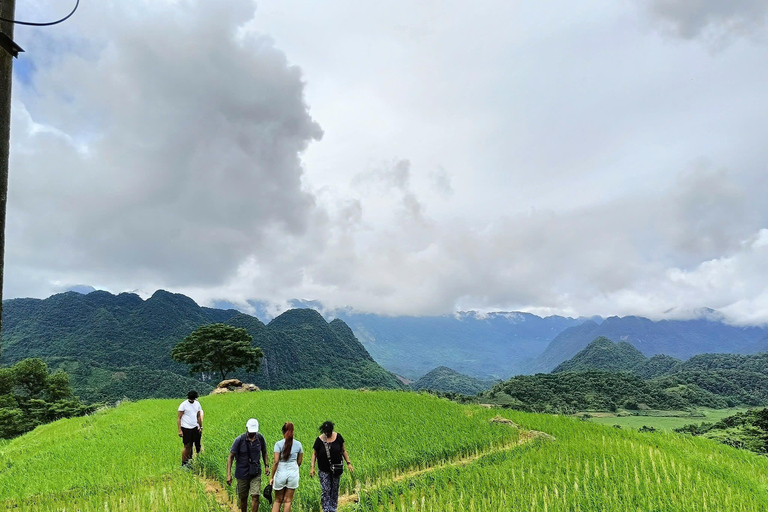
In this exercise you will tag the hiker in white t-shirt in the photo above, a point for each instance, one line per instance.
(190, 423)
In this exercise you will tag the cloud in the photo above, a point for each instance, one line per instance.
(636, 255)
(168, 150)
(390, 183)
(711, 214)
(441, 182)
(713, 19)
(168, 144)
(396, 175)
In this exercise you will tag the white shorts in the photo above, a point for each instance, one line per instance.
(286, 477)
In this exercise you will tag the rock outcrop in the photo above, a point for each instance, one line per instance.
(233, 386)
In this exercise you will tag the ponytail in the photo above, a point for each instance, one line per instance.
(288, 435)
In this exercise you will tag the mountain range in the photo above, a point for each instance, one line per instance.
(97, 334)
(677, 338)
(109, 342)
(491, 346)
(501, 344)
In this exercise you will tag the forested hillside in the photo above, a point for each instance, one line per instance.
(609, 376)
(571, 392)
(446, 380)
(117, 330)
(738, 379)
(95, 382)
(302, 350)
(677, 338)
(603, 354)
(119, 346)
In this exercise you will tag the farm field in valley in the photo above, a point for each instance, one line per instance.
(410, 451)
(665, 420)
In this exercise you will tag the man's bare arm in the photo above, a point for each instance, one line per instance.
(229, 468)
(264, 454)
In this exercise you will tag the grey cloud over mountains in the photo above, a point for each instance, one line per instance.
(684, 247)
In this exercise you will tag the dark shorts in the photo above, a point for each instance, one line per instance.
(191, 436)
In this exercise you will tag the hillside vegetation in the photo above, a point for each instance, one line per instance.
(101, 384)
(607, 376)
(678, 338)
(571, 392)
(748, 430)
(411, 452)
(119, 346)
(30, 395)
(445, 380)
(603, 354)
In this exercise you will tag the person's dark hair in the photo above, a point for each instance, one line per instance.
(327, 428)
(192, 395)
(288, 435)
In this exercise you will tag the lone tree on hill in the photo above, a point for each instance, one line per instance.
(218, 348)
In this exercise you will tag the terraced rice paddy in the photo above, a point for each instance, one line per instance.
(410, 451)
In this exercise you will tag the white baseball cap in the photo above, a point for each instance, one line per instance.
(252, 425)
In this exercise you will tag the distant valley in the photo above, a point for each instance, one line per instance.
(502, 344)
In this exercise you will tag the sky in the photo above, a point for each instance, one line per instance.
(400, 158)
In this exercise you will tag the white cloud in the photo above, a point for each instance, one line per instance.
(503, 156)
(193, 137)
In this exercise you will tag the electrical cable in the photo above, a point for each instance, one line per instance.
(33, 24)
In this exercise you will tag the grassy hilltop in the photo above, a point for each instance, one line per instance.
(411, 452)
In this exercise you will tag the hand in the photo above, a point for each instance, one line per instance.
(271, 480)
(350, 468)
(311, 472)
(181, 434)
(229, 479)
(266, 470)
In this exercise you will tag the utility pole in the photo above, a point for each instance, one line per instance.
(8, 11)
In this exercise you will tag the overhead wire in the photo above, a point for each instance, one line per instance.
(47, 24)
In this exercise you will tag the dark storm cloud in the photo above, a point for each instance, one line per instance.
(167, 150)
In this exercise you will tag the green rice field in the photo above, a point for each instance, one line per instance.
(412, 452)
(661, 421)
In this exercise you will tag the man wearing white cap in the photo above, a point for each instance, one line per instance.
(247, 449)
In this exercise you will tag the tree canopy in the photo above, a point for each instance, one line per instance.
(30, 395)
(218, 348)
